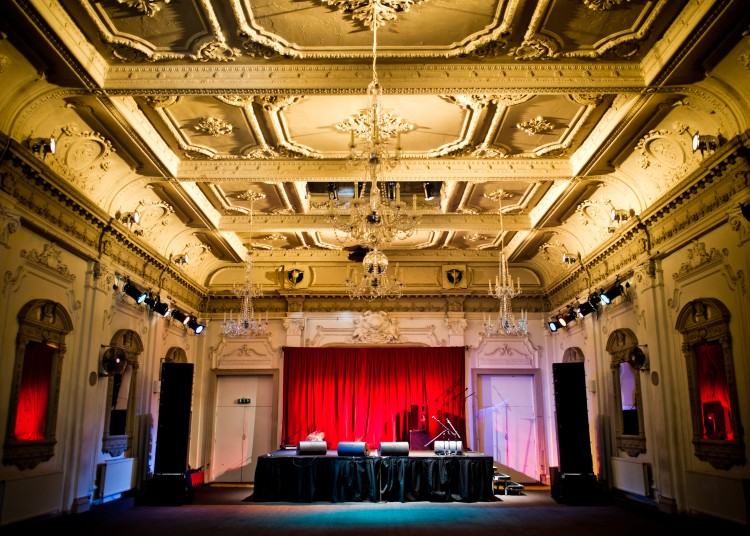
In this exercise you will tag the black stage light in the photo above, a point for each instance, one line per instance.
(594, 299)
(612, 292)
(570, 315)
(134, 292)
(193, 324)
(180, 316)
(553, 325)
(585, 308)
(561, 320)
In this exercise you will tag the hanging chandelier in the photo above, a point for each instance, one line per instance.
(376, 215)
(247, 324)
(375, 282)
(504, 290)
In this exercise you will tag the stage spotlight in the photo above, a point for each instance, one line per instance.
(570, 315)
(585, 308)
(180, 316)
(569, 258)
(429, 191)
(134, 292)
(594, 299)
(562, 321)
(612, 292)
(705, 142)
(157, 306)
(43, 146)
(745, 209)
(193, 324)
(553, 325)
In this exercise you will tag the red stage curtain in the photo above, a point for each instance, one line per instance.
(33, 393)
(366, 394)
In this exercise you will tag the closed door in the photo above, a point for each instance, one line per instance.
(507, 423)
(243, 427)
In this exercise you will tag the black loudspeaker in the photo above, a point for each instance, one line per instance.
(312, 447)
(394, 448)
(352, 448)
(173, 432)
(572, 418)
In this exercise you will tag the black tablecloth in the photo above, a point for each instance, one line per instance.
(285, 477)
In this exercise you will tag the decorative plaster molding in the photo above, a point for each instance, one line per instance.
(9, 224)
(514, 352)
(83, 157)
(149, 8)
(369, 12)
(213, 126)
(537, 125)
(375, 327)
(739, 223)
(4, 62)
(50, 259)
(294, 326)
(698, 259)
(162, 101)
(537, 48)
(602, 5)
(456, 326)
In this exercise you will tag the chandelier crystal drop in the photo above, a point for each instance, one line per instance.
(375, 281)
(504, 290)
(376, 215)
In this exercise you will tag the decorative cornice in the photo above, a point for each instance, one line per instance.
(9, 223)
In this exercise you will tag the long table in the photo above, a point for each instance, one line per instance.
(285, 476)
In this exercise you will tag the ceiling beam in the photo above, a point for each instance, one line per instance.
(322, 222)
(417, 170)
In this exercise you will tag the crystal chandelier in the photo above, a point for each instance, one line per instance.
(378, 216)
(375, 281)
(504, 290)
(247, 324)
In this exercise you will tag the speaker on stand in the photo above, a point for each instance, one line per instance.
(171, 482)
(575, 481)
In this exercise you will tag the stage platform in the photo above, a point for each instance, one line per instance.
(422, 476)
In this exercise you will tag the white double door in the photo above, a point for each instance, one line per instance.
(242, 431)
(507, 423)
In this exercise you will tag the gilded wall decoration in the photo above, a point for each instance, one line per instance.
(162, 101)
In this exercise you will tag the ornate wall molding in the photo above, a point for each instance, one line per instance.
(10, 222)
(83, 157)
(49, 260)
(506, 351)
(375, 327)
(698, 260)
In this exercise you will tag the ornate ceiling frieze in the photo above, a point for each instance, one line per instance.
(213, 126)
(148, 8)
(372, 12)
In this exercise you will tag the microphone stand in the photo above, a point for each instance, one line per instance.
(445, 431)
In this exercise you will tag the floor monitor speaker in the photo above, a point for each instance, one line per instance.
(394, 448)
(352, 448)
(312, 447)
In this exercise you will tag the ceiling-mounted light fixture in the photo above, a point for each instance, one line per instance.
(43, 146)
(180, 316)
(584, 308)
(612, 292)
(619, 215)
(134, 292)
(553, 325)
(569, 258)
(156, 305)
(570, 315)
(705, 142)
(193, 324)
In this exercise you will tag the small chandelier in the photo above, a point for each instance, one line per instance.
(504, 290)
(247, 324)
(375, 281)
(380, 218)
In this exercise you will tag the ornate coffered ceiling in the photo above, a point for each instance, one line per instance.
(230, 114)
